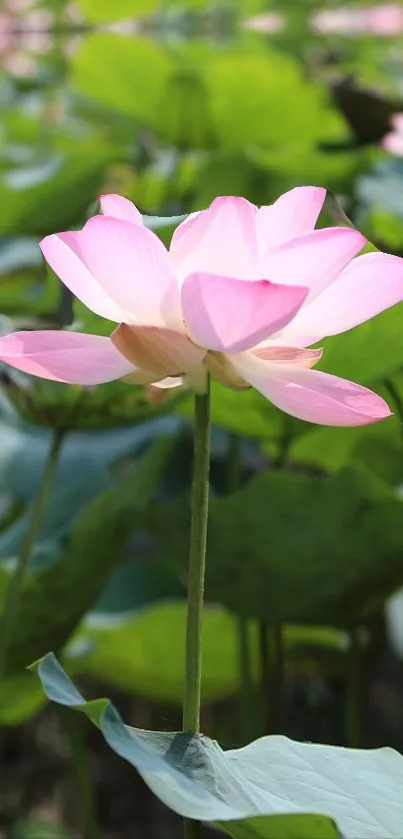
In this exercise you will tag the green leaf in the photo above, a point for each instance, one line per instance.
(228, 173)
(378, 446)
(32, 196)
(384, 227)
(144, 654)
(247, 413)
(72, 407)
(135, 584)
(24, 448)
(185, 118)
(133, 79)
(383, 188)
(245, 94)
(160, 222)
(20, 700)
(272, 776)
(42, 828)
(55, 600)
(24, 288)
(295, 548)
(334, 448)
(369, 352)
(296, 826)
(102, 11)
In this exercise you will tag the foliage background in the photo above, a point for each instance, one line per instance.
(173, 103)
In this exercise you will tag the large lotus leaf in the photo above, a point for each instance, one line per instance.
(144, 653)
(248, 414)
(65, 503)
(55, 599)
(383, 187)
(301, 164)
(32, 194)
(272, 776)
(20, 700)
(102, 10)
(224, 172)
(247, 89)
(296, 548)
(140, 580)
(24, 448)
(82, 473)
(25, 293)
(134, 79)
(295, 826)
(377, 445)
(43, 827)
(384, 227)
(368, 353)
(334, 448)
(185, 120)
(23, 286)
(72, 407)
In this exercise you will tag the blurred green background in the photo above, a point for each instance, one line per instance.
(172, 103)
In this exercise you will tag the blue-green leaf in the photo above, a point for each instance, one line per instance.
(272, 776)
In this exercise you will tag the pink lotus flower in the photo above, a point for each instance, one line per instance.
(393, 142)
(383, 19)
(241, 293)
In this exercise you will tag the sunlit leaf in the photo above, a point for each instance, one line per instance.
(295, 826)
(125, 74)
(250, 107)
(144, 653)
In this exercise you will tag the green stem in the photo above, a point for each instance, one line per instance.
(277, 657)
(245, 672)
(354, 695)
(73, 730)
(14, 591)
(265, 680)
(272, 675)
(197, 560)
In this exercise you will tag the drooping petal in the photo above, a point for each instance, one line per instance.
(160, 351)
(314, 259)
(368, 285)
(288, 355)
(294, 213)
(221, 240)
(62, 252)
(168, 383)
(229, 315)
(71, 357)
(132, 267)
(310, 394)
(119, 207)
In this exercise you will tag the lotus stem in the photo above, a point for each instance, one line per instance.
(197, 561)
(15, 588)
